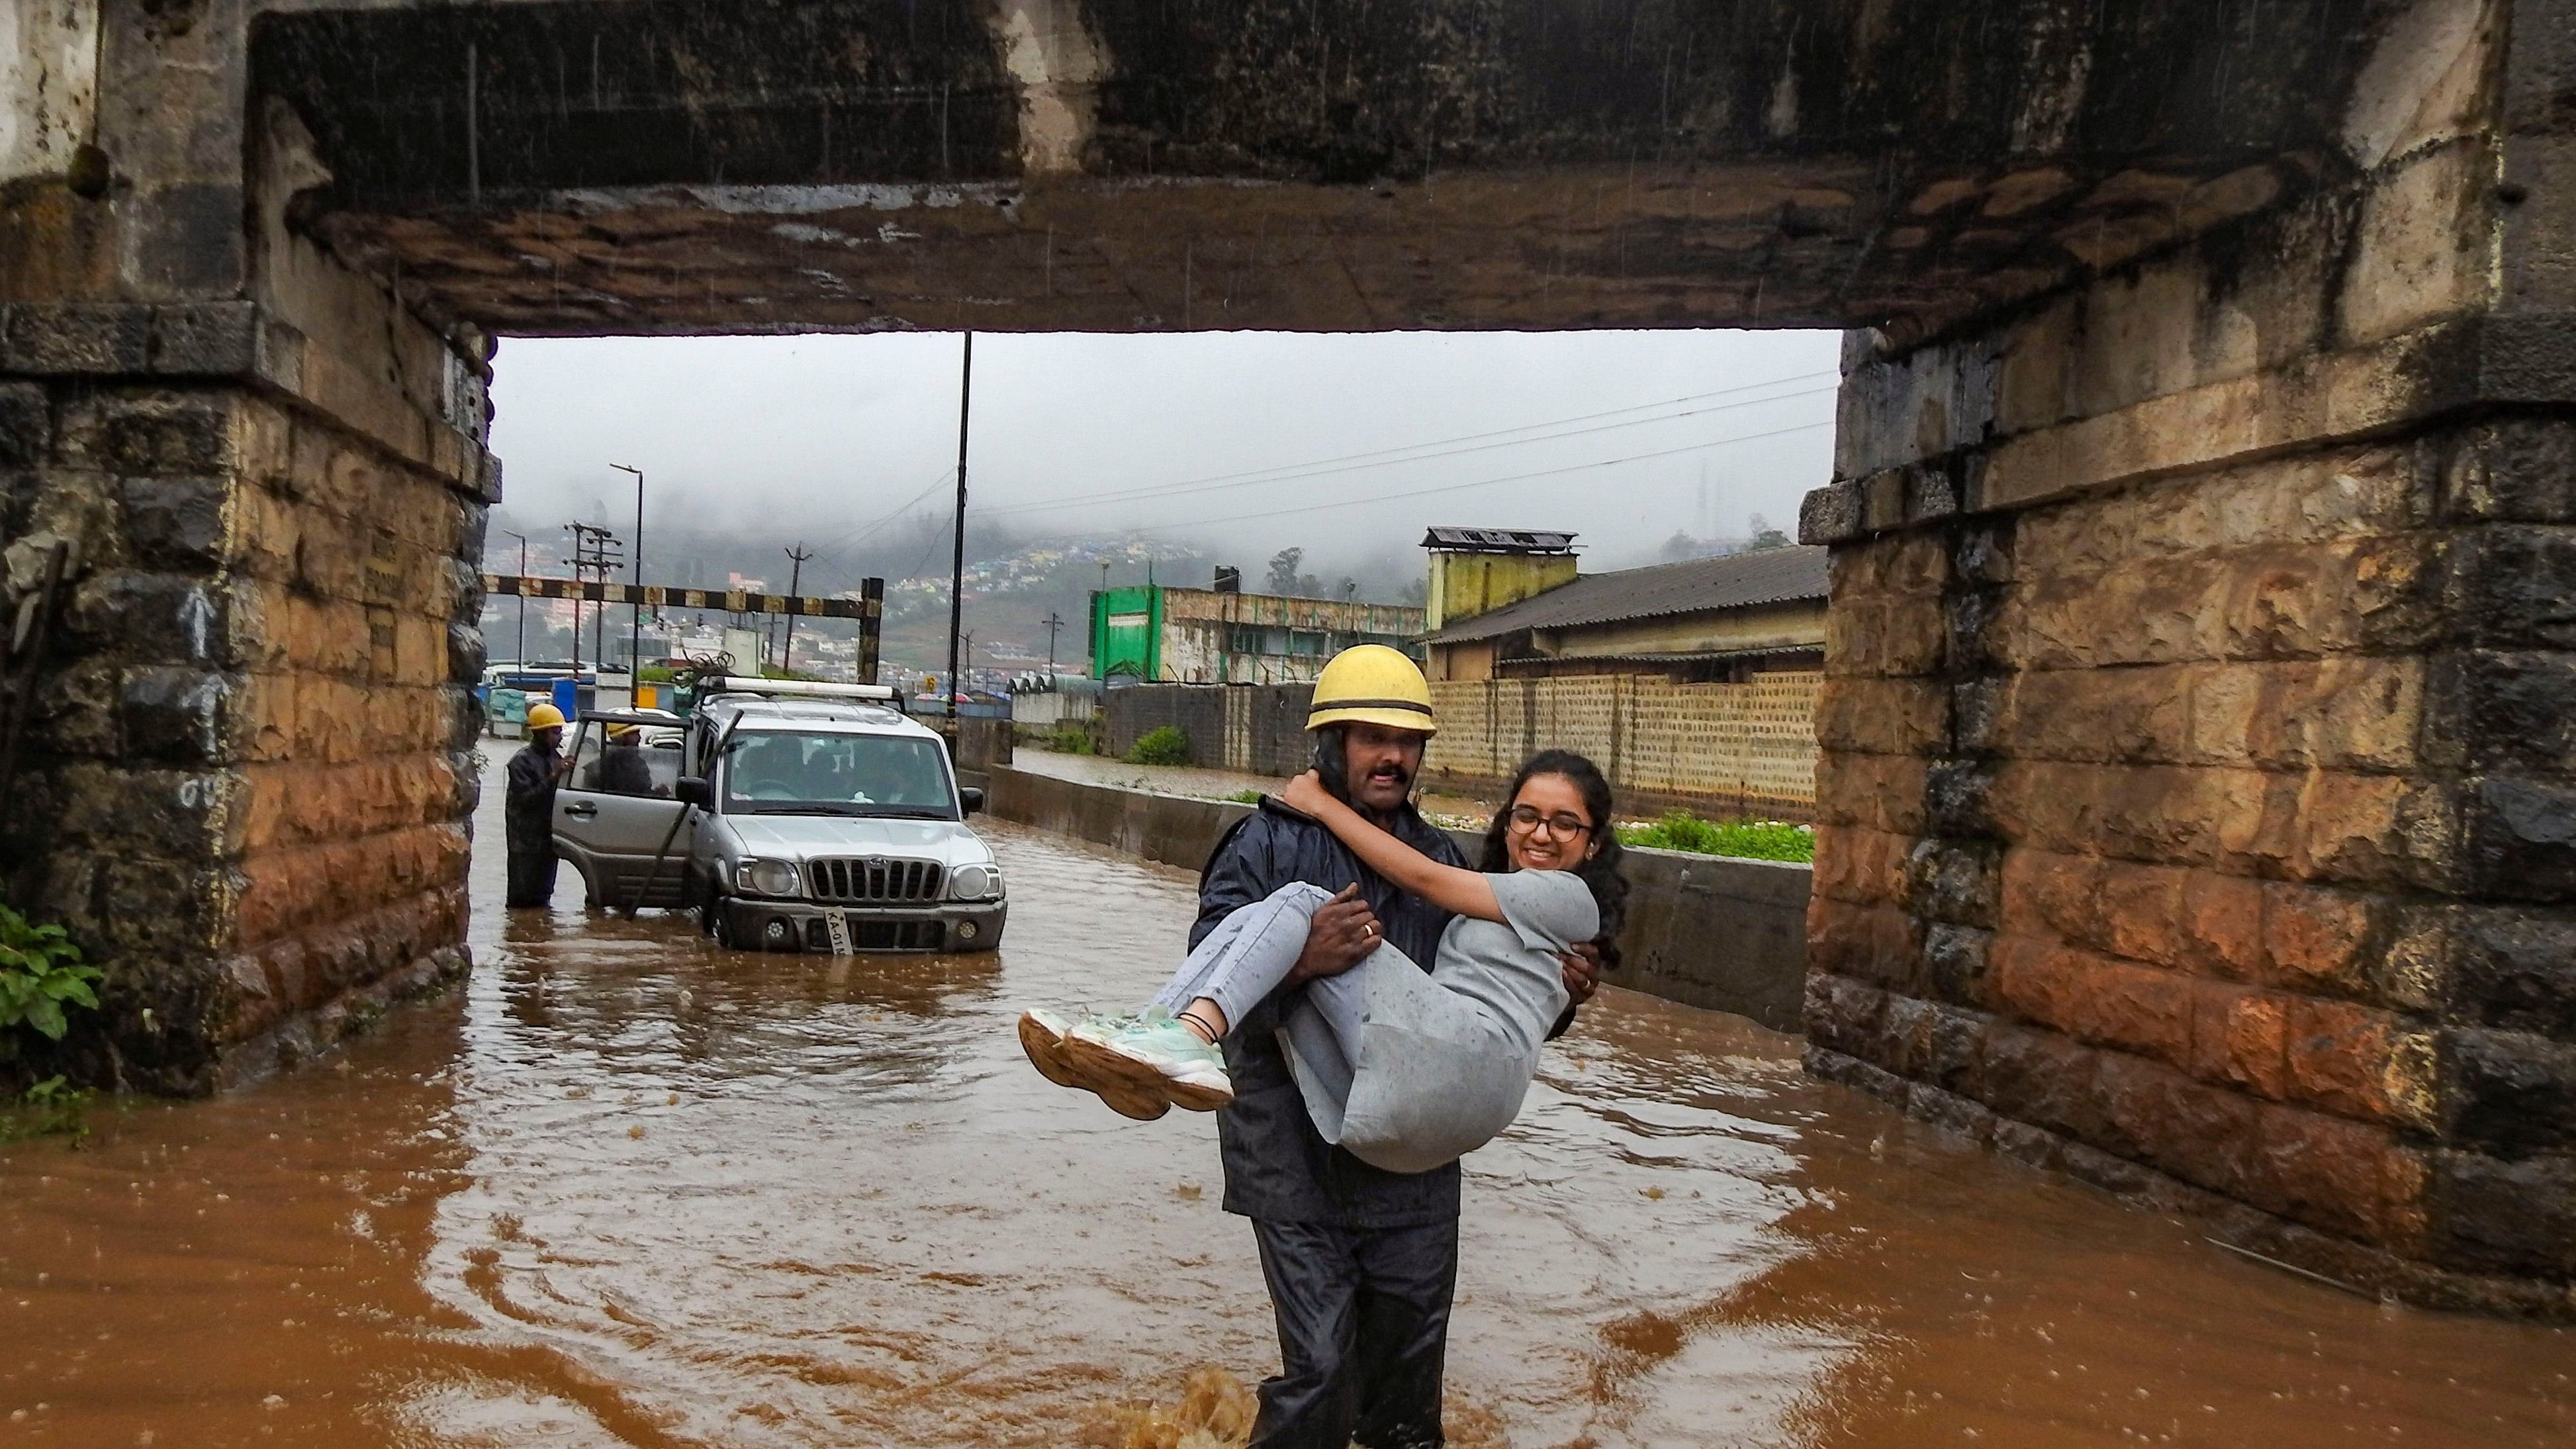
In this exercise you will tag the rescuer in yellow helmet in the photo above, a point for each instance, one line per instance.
(1348, 1243)
(622, 770)
(535, 772)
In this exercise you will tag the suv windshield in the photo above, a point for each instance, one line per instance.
(780, 773)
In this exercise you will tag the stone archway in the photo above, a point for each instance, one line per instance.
(2201, 813)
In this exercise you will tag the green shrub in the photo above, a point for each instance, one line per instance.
(48, 1109)
(40, 973)
(655, 674)
(1070, 739)
(1749, 839)
(1162, 745)
(1243, 797)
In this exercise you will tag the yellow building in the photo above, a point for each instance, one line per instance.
(1691, 684)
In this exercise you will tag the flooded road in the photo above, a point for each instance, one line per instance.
(626, 1189)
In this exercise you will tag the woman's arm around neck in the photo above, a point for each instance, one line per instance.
(1453, 889)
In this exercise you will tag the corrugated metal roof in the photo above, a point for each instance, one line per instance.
(1730, 581)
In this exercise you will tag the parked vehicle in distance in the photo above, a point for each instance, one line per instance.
(790, 817)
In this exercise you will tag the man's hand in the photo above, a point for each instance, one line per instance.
(1582, 967)
(563, 767)
(1344, 931)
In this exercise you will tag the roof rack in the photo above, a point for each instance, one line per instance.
(794, 688)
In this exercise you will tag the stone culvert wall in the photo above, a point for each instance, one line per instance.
(2198, 796)
(245, 777)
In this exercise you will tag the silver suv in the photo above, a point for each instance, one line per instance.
(797, 818)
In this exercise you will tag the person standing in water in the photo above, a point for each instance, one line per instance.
(1361, 1262)
(529, 807)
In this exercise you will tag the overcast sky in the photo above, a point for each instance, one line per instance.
(821, 436)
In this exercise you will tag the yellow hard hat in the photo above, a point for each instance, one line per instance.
(544, 717)
(1372, 684)
(619, 730)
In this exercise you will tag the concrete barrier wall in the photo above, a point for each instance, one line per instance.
(1727, 935)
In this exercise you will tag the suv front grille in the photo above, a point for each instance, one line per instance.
(875, 882)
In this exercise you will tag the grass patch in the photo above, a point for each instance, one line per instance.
(1747, 839)
(1070, 739)
(1243, 797)
(1162, 745)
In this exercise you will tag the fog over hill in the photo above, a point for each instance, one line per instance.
(1168, 452)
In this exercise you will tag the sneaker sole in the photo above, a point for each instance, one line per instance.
(1099, 1060)
(1056, 1061)
(1045, 1049)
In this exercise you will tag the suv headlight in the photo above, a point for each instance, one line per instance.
(974, 882)
(768, 877)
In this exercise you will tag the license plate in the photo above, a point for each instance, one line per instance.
(836, 923)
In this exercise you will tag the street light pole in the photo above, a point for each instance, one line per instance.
(522, 652)
(635, 638)
(957, 561)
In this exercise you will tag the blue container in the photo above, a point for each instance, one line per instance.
(567, 696)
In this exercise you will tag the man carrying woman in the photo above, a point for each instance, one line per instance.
(1346, 1098)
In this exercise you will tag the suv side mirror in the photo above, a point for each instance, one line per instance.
(692, 790)
(969, 799)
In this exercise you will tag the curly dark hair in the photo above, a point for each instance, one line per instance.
(1601, 871)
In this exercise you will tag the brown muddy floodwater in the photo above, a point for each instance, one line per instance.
(628, 1189)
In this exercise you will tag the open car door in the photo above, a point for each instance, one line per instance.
(614, 835)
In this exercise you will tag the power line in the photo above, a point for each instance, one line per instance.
(1295, 471)
(938, 480)
(1482, 482)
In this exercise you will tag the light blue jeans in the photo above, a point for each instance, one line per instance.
(1246, 958)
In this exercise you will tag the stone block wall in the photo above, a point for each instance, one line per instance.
(2198, 796)
(246, 775)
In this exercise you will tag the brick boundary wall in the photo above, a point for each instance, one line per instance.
(1716, 749)
(1259, 729)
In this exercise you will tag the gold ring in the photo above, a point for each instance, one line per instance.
(1369, 926)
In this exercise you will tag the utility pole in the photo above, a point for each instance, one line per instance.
(591, 556)
(635, 638)
(957, 559)
(522, 659)
(1054, 621)
(795, 576)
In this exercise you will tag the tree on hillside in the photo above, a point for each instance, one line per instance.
(1283, 570)
(1765, 536)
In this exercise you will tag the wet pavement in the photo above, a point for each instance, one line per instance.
(629, 1189)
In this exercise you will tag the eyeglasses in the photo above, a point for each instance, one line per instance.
(1564, 825)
